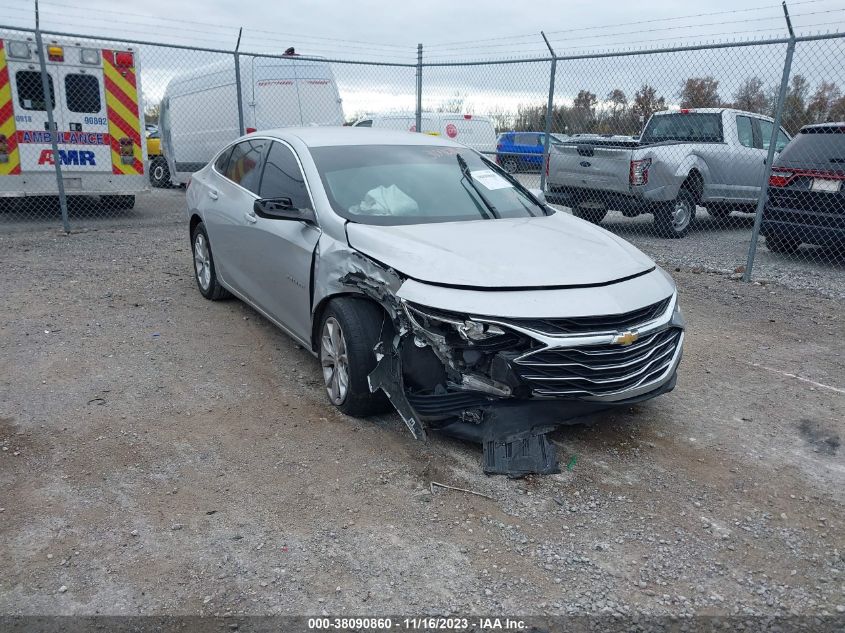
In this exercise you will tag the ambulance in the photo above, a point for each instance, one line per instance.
(97, 121)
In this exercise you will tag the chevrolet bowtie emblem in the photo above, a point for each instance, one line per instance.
(626, 338)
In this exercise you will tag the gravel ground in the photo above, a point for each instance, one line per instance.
(162, 454)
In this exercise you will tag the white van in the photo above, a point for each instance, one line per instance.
(472, 130)
(199, 110)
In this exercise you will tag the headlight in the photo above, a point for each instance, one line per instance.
(677, 315)
(441, 324)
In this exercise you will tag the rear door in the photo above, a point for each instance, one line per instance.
(34, 139)
(232, 190)
(84, 132)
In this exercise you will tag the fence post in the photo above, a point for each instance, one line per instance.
(549, 110)
(418, 122)
(238, 83)
(764, 185)
(51, 123)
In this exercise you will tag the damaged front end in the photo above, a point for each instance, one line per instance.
(506, 383)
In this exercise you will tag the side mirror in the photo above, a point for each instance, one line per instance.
(538, 193)
(282, 209)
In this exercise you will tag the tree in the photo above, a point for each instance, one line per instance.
(151, 112)
(752, 97)
(502, 119)
(821, 102)
(837, 110)
(646, 102)
(529, 118)
(700, 92)
(584, 111)
(613, 119)
(794, 104)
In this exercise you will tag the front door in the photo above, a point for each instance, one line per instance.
(278, 253)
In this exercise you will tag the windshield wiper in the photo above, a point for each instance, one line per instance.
(468, 176)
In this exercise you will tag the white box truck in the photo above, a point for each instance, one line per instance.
(199, 111)
(473, 130)
(97, 117)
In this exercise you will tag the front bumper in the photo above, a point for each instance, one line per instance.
(538, 374)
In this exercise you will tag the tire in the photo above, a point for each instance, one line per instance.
(118, 203)
(510, 165)
(780, 244)
(205, 273)
(674, 221)
(349, 330)
(159, 172)
(590, 215)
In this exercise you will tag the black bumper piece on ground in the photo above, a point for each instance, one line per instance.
(513, 433)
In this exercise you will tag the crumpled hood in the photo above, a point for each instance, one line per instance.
(556, 250)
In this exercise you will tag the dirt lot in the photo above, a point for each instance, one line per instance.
(164, 454)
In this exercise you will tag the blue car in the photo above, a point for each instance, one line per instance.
(516, 151)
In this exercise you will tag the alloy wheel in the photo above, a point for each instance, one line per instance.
(202, 261)
(335, 361)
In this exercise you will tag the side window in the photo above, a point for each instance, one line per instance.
(783, 140)
(367, 123)
(243, 164)
(766, 135)
(31, 91)
(745, 131)
(82, 93)
(283, 178)
(223, 161)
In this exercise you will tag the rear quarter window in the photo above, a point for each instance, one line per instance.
(816, 149)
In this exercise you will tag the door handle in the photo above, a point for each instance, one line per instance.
(251, 218)
(212, 194)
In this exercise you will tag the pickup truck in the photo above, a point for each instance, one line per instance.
(710, 157)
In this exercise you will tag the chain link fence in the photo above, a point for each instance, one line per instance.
(688, 152)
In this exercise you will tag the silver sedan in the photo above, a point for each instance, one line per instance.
(425, 278)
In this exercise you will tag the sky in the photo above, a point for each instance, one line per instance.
(452, 31)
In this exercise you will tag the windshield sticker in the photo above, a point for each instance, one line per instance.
(490, 179)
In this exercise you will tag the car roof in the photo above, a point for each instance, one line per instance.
(328, 136)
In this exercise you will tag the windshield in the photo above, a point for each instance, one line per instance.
(418, 184)
(685, 127)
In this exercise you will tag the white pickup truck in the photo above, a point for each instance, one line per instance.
(712, 157)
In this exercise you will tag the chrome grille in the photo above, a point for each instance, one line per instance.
(598, 370)
(604, 323)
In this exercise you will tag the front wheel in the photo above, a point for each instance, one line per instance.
(674, 220)
(349, 331)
